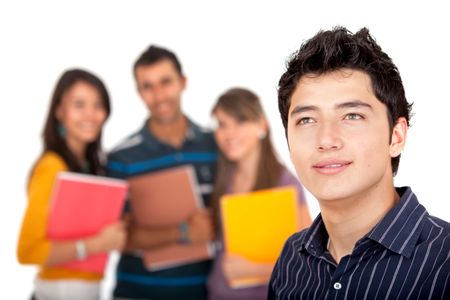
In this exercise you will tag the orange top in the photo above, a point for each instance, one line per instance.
(33, 246)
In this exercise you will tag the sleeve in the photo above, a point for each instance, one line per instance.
(116, 168)
(33, 246)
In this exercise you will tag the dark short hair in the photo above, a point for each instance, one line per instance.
(155, 54)
(336, 49)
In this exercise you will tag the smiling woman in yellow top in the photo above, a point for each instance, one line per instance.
(72, 142)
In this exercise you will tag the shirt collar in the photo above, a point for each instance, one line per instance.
(192, 132)
(315, 238)
(398, 231)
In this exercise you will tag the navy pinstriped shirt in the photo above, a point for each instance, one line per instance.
(405, 256)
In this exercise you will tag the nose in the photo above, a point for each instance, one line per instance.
(158, 94)
(227, 131)
(95, 112)
(329, 138)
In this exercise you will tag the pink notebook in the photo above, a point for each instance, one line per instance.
(81, 206)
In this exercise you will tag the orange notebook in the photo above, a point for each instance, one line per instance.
(256, 225)
(166, 198)
(81, 206)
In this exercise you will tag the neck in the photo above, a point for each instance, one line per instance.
(172, 133)
(348, 220)
(78, 150)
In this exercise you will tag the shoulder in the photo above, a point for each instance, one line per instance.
(200, 139)
(434, 236)
(47, 167)
(441, 226)
(127, 152)
(435, 242)
(294, 243)
(202, 134)
(50, 161)
(127, 145)
(289, 254)
(287, 178)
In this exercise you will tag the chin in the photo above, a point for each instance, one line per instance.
(90, 139)
(233, 158)
(331, 193)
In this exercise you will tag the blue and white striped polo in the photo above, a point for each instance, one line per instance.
(143, 153)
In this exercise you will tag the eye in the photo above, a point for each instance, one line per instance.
(146, 86)
(221, 125)
(78, 103)
(353, 116)
(304, 121)
(99, 104)
(166, 81)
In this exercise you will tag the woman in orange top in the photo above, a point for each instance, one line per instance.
(72, 142)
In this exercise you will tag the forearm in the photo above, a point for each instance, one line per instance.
(235, 266)
(197, 229)
(261, 270)
(62, 252)
(144, 238)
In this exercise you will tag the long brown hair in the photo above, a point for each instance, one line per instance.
(54, 140)
(244, 105)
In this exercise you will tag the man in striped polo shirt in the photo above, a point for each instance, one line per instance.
(167, 139)
(346, 116)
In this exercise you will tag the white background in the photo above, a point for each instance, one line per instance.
(220, 45)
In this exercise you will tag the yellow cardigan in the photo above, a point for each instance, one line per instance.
(33, 245)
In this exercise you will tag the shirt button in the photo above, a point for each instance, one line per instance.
(337, 286)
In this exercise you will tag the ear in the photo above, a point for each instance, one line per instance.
(183, 81)
(398, 138)
(263, 124)
(138, 89)
(263, 128)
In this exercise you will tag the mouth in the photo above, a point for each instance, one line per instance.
(331, 167)
(89, 127)
(163, 107)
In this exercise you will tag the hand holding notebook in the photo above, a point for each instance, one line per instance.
(200, 227)
(83, 206)
(168, 198)
(255, 227)
(243, 272)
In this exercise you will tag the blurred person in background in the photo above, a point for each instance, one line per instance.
(72, 142)
(166, 139)
(247, 162)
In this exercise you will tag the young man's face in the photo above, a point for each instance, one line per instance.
(160, 86)
(338, 135)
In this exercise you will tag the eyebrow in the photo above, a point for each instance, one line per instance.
(353, 104)
(347, 104)
(300, 109)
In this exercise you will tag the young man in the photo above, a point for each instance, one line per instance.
(167, 139)
(345, 114)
